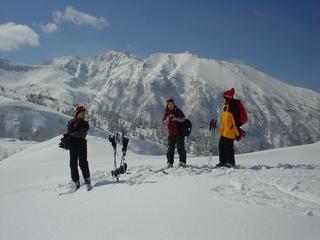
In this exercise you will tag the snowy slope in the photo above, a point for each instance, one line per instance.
(279, 114)
(34, 122)
(10, 146)
(274, 195)
(30, 121)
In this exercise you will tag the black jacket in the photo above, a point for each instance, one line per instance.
(77, 129)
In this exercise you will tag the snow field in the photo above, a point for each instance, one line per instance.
(271, 195)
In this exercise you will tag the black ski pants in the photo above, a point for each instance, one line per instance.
(172, 142)
(226, 151)
(78, 156)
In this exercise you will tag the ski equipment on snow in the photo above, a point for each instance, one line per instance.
(168, 170)
(71, 190)
(212, 129)
(163, 170)
(114, 139)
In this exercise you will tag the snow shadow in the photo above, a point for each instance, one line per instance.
(284, 166)
(108, 182)
(262, 167)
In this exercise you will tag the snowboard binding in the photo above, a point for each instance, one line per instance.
(120, 170)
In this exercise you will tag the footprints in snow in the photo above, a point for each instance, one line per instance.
(292, 187)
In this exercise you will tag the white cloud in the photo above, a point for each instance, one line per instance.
(49, 28)
(13, 36)
(79, 18)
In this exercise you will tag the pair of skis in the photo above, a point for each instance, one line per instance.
(75, 189)
(164, 170)
(212, 129)
(114, 140)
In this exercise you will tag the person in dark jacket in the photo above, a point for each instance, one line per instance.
(172, 117)
(228, 132)
(77, 132)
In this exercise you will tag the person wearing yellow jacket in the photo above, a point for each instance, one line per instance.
(228, 132)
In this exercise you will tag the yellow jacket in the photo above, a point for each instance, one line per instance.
(228, 125)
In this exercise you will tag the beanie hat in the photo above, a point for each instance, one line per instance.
(79, 109)
(229, 93)
(170, 100)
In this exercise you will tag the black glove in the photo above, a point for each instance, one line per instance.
(64, 142)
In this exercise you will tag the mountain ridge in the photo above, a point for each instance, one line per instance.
(279, 114)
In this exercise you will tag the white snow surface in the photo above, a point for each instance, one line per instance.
(273, 194)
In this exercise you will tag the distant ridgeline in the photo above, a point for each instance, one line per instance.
(125, 93)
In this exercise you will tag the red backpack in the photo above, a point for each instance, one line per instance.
(243, 114)
(239, 112)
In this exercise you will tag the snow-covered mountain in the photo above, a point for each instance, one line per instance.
(274, 195)
(279, 114)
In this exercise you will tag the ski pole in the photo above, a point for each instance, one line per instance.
(212, 128)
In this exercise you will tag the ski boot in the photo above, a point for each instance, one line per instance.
(181, 165)
(88, 184)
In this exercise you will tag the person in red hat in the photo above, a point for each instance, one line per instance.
(172, 117)
(77, 132)
(228, 131)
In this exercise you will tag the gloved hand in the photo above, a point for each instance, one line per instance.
(66, 135)
(64, 142)
(241, 135)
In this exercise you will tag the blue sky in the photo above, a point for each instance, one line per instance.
(281, 38)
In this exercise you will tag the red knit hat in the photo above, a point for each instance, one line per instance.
(79, 109)
(229, 93)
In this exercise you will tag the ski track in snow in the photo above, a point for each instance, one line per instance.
(291, 187)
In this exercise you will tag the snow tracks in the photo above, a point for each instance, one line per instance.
(292, 187)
